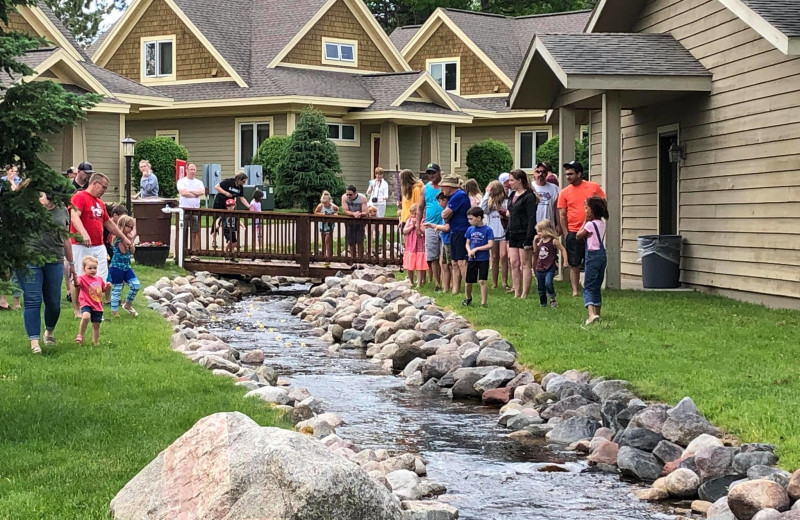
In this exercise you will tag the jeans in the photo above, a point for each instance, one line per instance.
(41, 284)
(544, 283)
(594, 272)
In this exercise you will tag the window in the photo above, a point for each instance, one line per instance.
(341, 132)
(172, 134)
(456, 152)
(250, 136)
(158, 57)
(528, 141)
(342, 53)
(445, 73)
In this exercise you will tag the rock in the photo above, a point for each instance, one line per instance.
(714, 462)
(774, 474)
(700, 506)
(605, 453)
(794, 486)
(527, 392)
(703, 441)
(404, 355)
(252, 357)
(609, 411)
(465, 379)
(487, 334)
(604, 433)
(523, 421)
(682, 429)
(744, 461)
(558, 408)
(682, 483)
(415, 379)
(523, 378)
(498, 396)
(499, 344)
(492, 357)
(574, 429)
(717, 488)
(638, 463)
(768, 514)
(507, 415)
(428, 510)
(494, 379)
(604, 389)
(403, 483)
(313, 403)
(271, 394)
(268, 374)
(640, 438)
(466, 337)
(667, 451)
(227, 466)
(437, 366)
(413, 366)
(652, 418)
(651, 494)
(447, 380)
(719, 510)
(748, 498)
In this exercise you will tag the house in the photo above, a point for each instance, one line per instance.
(695, 117)
(475, 58)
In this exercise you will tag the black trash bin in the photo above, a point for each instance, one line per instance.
(661, 261)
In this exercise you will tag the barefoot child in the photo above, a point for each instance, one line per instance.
(445, 259)
(90, 299)
(120, 272)
(328, 208)
(545, 247)
(414, 255)
(593, 231)
(479, 243)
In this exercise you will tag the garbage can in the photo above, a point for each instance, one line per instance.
(661, 261)
(152, 224)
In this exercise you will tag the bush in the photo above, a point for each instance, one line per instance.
(488, 159)
(162, 153)
(310, 164)
(269, 154)
(548, 152)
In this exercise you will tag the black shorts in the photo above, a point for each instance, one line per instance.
(230, 235)
(516, 242)
(477, 270)
(576, 249)
(355, 234)
(458, 246)
(96, 316)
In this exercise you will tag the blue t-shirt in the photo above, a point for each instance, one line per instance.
(445, 237)
(479, 236)
(433, 211)
(459, 204)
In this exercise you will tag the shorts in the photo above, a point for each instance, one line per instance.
(96, 316)
(355, 234)
(80, 251)
(576, 249)
(446, 257)
(458, 246)
(516, 243)
(193, 223)
(477, 270)
(433, 242)
(230, 235)
(118, 276)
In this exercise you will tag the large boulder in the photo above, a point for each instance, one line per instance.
(717, 488)
(492, 357)
(638, 463)
(715, 462)
(682, 483)
(794, 486)
(640, 438)
(440, 364)
(405, 354)
(558, 408)
(494, 379)
(748, 498)
(572, 430)
(684, 423)
(744, 461)
(227, 466)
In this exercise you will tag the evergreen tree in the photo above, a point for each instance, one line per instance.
(310, 164)
(28, 113)
(83, 17)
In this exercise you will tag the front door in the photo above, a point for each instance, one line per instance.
(667, 186)
(376, 153)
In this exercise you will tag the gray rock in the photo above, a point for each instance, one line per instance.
(428, 510)
(470, 357)
(558, 408)
(768, 514)
(717, 488)
(682, 483)
(719, 510)
(466, 337)
(527, 392)
(447, 380)
(640, 438)
(522, 421)
(499, 344)
(253, 357)
(268, 374)
(431, 386)
(667, 451)
(638, 463)
(404, 355)
(682, 428)
(652, 418)
(591, 411)
(413, 366)
(403, 483)
(464, 387)
(271, 394)
(415, 379)
(609, 411)
(702, 442)
(744, 461)
(714, 462)
(572, 430)
(492, 357)
(523, 378)
(429, 348)
(604, 389)
(581, 389)
(439, 365)
(780, 476)
(494, 379)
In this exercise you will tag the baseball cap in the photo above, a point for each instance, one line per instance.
(503, 177)
(230, 202)
(433, 167)
(86, 167)
(578, 167)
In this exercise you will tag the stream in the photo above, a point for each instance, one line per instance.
(488, 475)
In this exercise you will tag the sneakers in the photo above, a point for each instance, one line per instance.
(553, 303)
(467, 302)
(437, 289)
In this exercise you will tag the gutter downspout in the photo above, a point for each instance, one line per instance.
(179, 252)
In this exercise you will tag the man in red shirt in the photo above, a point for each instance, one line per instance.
(88, 217)
(571, 211)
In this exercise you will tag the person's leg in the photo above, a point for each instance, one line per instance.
(412, 277)
(95, 333)
(590, 285)
(484, 291)
(86, 317)
(575, 278)
(78, 252)
(467, 293)
(504, 263)
(548, 283)
(17, 294)
(494, 255)
(116, 296)
(525, 268)
(540, 287)
(51, 293)
(31, 283)
(516, 275)
(601, 274)
(133, 288)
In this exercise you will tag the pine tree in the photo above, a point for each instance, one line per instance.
(310, 164)
(29, 111)
(83, 17)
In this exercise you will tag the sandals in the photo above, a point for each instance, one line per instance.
(36, 349)
(130, 311)
(79, 339)
(49, 340)
(592, 320)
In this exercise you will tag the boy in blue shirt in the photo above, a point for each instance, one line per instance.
(479, 241)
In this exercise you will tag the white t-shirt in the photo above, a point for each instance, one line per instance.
(379, 191)
(190, 184)
(548, 195)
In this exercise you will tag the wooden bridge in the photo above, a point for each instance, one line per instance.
(286, 244)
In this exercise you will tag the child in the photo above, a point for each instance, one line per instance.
(479, 242)
(593, 231)
(326, 207)
(90, 299)
(230, 229)
(444, 233)
(255, 205)
(474, 191)
(374, 237)
(414, 255)
(120, 272)
(545, 246)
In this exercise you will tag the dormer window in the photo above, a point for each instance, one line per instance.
(340, 53)
(445, 73)
(158, 58)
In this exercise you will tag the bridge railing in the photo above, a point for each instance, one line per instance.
(296, 237)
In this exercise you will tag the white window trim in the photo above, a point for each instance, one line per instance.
(356, 142)
(237, 122)
(454, 59)
(340, 63)
(155, 39)
(456, 152)
(169, 133)
(518, 151)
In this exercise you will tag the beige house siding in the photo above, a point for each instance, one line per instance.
(445, 148)
(193, 59)
(471, 135)
(54, 158)
(18, 24)
(338, 22)
(739, 185)
(103, 150)
(410, 139)
(595, 147)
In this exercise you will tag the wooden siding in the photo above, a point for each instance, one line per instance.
(194, 61)
(338, 22)
(54, 158)
(739, 186)
(103, 150)
(356, 167)
(471, 135)
(445, 148)
(475, 76)
(410, 140)
(17, 23)
(596, 147)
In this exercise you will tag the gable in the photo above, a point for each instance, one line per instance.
(476, 78)
(17, 23)
(193, 60)
(338, 22)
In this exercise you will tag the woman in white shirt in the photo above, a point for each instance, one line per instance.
(378, 192)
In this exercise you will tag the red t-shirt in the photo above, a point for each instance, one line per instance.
(93, 216)
(91, 292)
(573, 198)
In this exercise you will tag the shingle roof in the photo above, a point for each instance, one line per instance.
(386, 88)
(62, 29)
(402, 35)
(784, 15)
(119, 84)
(100, 39)
(495, 104)
(622, 53)
(31, 59)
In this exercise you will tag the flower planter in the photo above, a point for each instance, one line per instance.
(154, 256)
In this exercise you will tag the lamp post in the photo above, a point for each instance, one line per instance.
(127, 150)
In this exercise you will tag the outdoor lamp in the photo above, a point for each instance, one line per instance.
(677, 153)
(128, 145)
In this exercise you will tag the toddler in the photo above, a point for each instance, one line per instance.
(255, 206)
(328, 208)
(545, 247)
(120, 271)
(479, 242)
(414, 254)
(593, 231)
(90, 299)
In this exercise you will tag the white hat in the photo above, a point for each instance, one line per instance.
(503, 177)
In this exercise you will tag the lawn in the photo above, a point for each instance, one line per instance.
(79, 422)
(738, 361)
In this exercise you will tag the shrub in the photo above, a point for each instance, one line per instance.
(549, 152)
(269, 154)
(162, 153)
(309, 165)
(488, 159)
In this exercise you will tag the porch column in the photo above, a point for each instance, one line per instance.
(430, 152)
(566, 139)
(389, 156)
(612, 181)
(73, 150)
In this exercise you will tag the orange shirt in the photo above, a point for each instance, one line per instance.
(416, 196)
(572, 198)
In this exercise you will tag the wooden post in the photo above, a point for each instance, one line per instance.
(303, 244)
(612, 181)
(566, 138)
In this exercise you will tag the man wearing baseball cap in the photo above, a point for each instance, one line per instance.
(571, 212)
(433, 217)
(81, 180)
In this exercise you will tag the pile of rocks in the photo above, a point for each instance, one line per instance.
(190, 301)
(675, 448)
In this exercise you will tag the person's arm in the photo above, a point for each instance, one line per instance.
(422, 210)
(318, 209)
(116, 231)
(72, 275)
(409, 227)
(563, 251)
(185, 192)
(244, 201)
(530, 207)
(344, 207)
(583, 233)
(485, 203)
(122, 248)
(447, 213)
(470, 251)
(75, 218)
(537, 243)
(363, 208)
(218, 188)
(369, 188)
(562, 219)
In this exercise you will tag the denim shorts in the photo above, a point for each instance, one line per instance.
(96, 316)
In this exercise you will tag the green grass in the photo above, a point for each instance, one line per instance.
(79, 422)
(738, 361)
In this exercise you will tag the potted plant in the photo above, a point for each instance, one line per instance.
(151, 253)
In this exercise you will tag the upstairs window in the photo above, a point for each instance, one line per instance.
(445, 73)
(341, 53)
(158, 58)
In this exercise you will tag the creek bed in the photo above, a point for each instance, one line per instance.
(488, 475)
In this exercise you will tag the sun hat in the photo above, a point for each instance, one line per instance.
(503, 177)
(451, 180)
(230, 202)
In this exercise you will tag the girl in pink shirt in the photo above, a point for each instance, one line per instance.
(90, 299)
(414, 253)
(593, 232)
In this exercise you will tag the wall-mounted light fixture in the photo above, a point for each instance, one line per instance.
(677, 153)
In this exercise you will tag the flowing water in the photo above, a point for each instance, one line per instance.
(488, 475)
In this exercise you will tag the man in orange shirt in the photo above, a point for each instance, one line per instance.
(571, 210)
